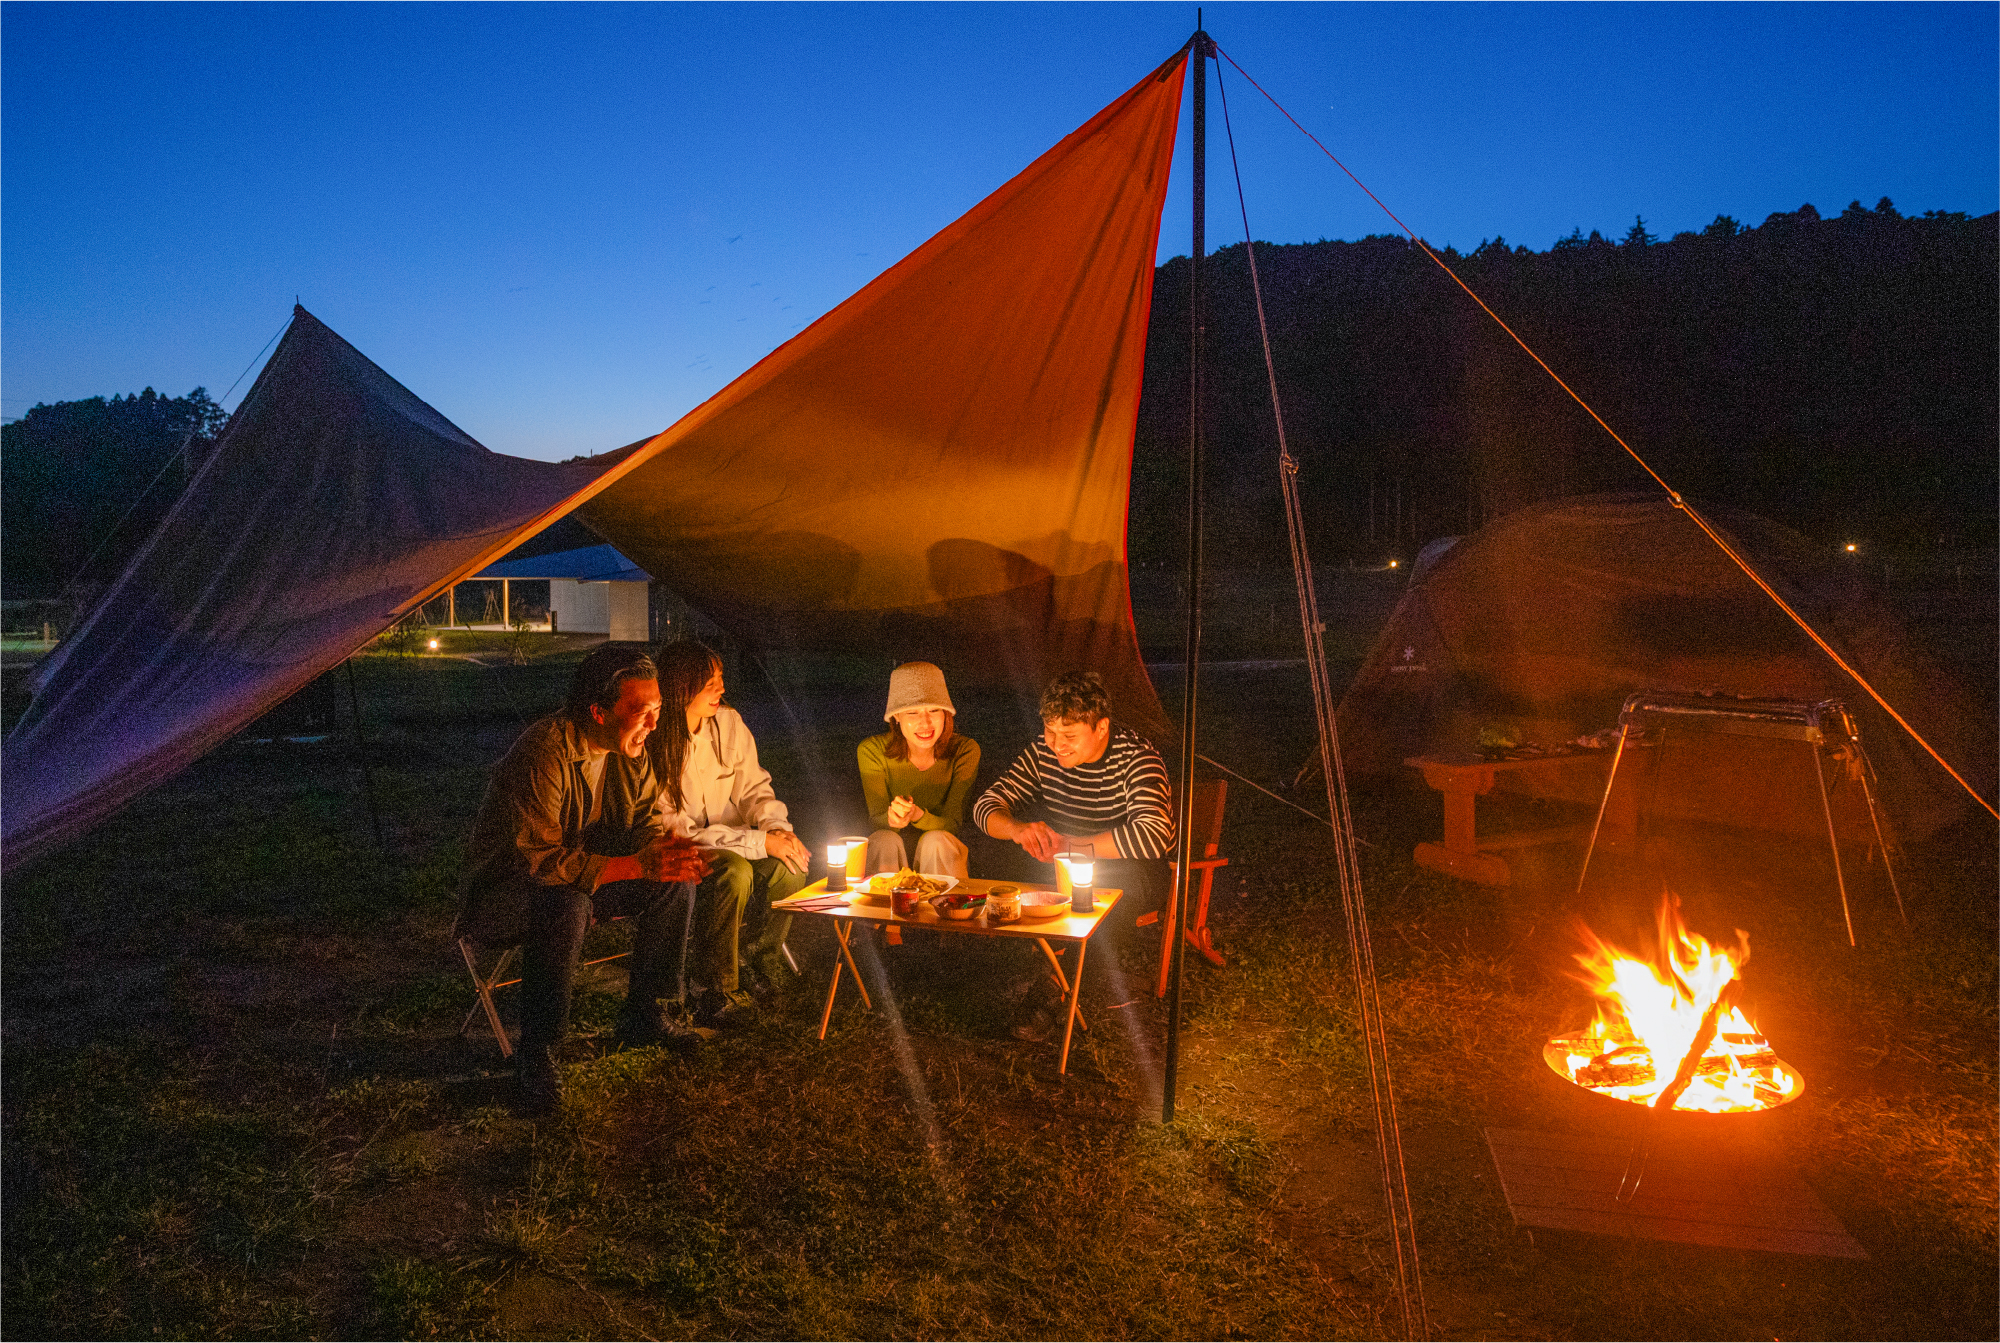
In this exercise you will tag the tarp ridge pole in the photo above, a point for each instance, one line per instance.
(1191, 661)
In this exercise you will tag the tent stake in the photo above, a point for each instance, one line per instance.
(1191, 662)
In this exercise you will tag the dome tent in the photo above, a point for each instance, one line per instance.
(1546, 619)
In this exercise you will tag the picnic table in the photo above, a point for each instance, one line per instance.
(863, 907)
(1570, 775)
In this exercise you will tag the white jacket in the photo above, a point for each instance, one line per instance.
(728, 802)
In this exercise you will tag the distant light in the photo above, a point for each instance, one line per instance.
(1851, 547)
(434, 645)
(1394, 563)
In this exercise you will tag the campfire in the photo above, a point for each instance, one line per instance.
(1667, 1034)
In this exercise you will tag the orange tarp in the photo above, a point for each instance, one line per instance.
(937, 468)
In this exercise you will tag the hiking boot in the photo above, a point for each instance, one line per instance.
(771, 978)
(1036, 1027)
(719, 1010)
(538, 1088)
(658, 1023)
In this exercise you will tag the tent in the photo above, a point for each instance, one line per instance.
(937, 468)
(1546, 619)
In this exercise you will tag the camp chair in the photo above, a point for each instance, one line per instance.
(1205, 825)
(487, 984)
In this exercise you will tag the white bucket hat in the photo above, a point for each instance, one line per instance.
(917, 685)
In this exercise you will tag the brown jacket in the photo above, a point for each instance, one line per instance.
(542, 824)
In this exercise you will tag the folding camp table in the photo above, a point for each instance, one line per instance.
(1065, 927)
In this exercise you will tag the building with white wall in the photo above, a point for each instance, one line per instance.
(593, 590)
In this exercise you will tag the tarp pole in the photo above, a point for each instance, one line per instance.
(361, 753)
(1191, 660)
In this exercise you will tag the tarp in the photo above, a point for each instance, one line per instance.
(333, 502)
(1545, 620)
(937, 468)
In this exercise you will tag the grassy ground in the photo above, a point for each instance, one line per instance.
(236, 1102)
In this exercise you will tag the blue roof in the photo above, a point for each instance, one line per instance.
(591, 564)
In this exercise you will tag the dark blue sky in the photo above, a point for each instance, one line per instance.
(566, 225)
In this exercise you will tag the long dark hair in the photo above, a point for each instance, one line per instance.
(684, 669)
(947, 742)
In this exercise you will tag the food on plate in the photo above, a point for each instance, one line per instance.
(914, 882)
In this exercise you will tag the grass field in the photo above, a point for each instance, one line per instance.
(237, 1103)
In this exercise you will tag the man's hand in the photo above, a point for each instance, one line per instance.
(788, 849)
(1040, 841)
(904, 811)
(673, 858)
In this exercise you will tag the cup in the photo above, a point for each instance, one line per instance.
(1062, 877)
(857, 857)
(905, 903)
(836, 866)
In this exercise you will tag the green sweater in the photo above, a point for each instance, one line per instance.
(944, 790)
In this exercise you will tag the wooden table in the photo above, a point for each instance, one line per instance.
(1064, 927)
(1575, 776)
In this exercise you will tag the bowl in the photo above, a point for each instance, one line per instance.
(1043, 904)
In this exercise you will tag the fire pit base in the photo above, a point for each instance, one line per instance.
(1692, 1195)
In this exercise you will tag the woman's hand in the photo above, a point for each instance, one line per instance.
(788, 849)
(904, 811)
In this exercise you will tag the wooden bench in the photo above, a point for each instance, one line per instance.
(1462, 779)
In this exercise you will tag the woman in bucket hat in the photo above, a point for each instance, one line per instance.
(917, 777)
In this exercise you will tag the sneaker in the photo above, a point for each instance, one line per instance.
(538, 1088)
(720, 1010)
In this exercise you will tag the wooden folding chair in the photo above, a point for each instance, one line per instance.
(486, 985)
(1205, 823)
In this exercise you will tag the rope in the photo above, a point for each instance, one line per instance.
(1276, 797)
(1347, 862)
(84, 568)
(1630, 451)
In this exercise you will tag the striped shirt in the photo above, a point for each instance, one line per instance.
(1123, 791)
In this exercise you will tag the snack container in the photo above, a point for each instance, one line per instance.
(1003, 906)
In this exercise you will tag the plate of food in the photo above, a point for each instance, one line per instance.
(1043, 904)
(884, 884)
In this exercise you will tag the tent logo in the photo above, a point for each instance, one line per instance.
(1409, 662)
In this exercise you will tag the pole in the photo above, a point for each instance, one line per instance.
(1191, 661)
(361, 751)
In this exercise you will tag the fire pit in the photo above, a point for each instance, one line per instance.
(1667, 1072)
(1667, 1035)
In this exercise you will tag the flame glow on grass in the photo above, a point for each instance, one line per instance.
(1649, 1013)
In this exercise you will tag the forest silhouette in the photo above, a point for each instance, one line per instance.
(1833, 374)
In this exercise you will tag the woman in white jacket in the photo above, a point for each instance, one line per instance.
(716, 794)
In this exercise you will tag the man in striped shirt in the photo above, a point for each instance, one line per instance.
(1089, 786)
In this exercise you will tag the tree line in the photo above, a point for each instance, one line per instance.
(82, 483)
(1834, 374)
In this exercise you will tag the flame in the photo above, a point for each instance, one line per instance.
(1649, 1013)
